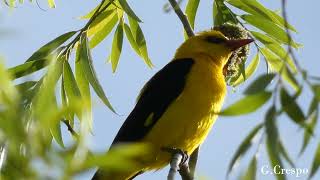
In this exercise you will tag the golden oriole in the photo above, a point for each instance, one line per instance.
(179, 104)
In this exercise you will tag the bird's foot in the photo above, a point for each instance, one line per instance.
(173, 151)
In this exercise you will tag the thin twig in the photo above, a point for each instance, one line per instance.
(185, 173)
(70, 129)
(183, 18)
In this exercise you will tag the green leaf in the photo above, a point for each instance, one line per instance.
(51, 3)
(191, 11)
(222, 14)
(316, 91)
(55, 128)
(316, 162)
(269, 27)
(131, 39)
(91, 13)
(70, 86)
(272, 142)
(244, 147)
(45, 50)
(104, 32)
(290, 106)
(27, 68)
(252, 67)
(285, 154)
(259, 84)
(248, 104)
(116, 47)
(275, 47)
(84, 87)
(312, 121)
(101, 21)
(125, 6)
(251, 171)
(25, 86)
(277, 64)
(255, 8)
(140, 40)
(87, 66)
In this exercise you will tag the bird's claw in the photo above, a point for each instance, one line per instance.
(173, 151)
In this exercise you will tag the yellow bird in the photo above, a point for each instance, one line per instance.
(179, 104)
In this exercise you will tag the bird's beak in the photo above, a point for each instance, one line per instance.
(235, 44)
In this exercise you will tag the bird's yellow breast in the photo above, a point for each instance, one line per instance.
(188, 120)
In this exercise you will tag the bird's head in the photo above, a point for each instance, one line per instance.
(212, 44)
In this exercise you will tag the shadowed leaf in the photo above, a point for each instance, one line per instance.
(316, 162)
(259, 84)
(116, 46)
(252, 67)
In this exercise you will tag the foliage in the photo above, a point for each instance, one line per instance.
(36, 112)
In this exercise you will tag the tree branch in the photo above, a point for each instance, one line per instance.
(183, 18)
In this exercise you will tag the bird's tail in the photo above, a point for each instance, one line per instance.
(115, 175)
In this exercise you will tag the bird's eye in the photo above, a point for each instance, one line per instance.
(216, 40)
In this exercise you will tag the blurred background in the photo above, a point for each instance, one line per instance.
(26, 28)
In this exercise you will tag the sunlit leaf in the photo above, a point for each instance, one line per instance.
(222, 14)
(104, 32)
(125, 6)
(45, 50)
(290, 106)
(255, 8)
(101, 21)
(272, 142)
(140, 40)
(252, 67)
(131, 39)
(276, 48)
(316, 162)
(247, 104)
(51, 3)
(259, 84)
(244, 147)
(279, 66)
(84, 87)
(251, 171)
(191, 11)
(116, 46)
(87, 66)
(269, 27)
(105, 3)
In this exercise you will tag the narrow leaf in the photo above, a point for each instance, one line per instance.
(51, 3)
(275, 47)
(256, 8)
(191, 11)
(315, 163)
(131, 39)
(45, 50)
(312, 121)
(259, 84)
(272, 142)
(100, 22)
(222, 14)
(27, 68)
(248, 104)
(140, 40)
(104, 32)
(125, 6)
(252, 67)
(87, 66)
(25, 85)
(116, 46)
(244, 147)
(269, 27)
(290, 106)
(251, 171)
(285, 154)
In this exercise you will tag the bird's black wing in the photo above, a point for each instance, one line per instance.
(160, 91)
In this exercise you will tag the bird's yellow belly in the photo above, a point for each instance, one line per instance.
(188, 120)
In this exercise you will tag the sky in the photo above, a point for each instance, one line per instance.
(27, 28)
